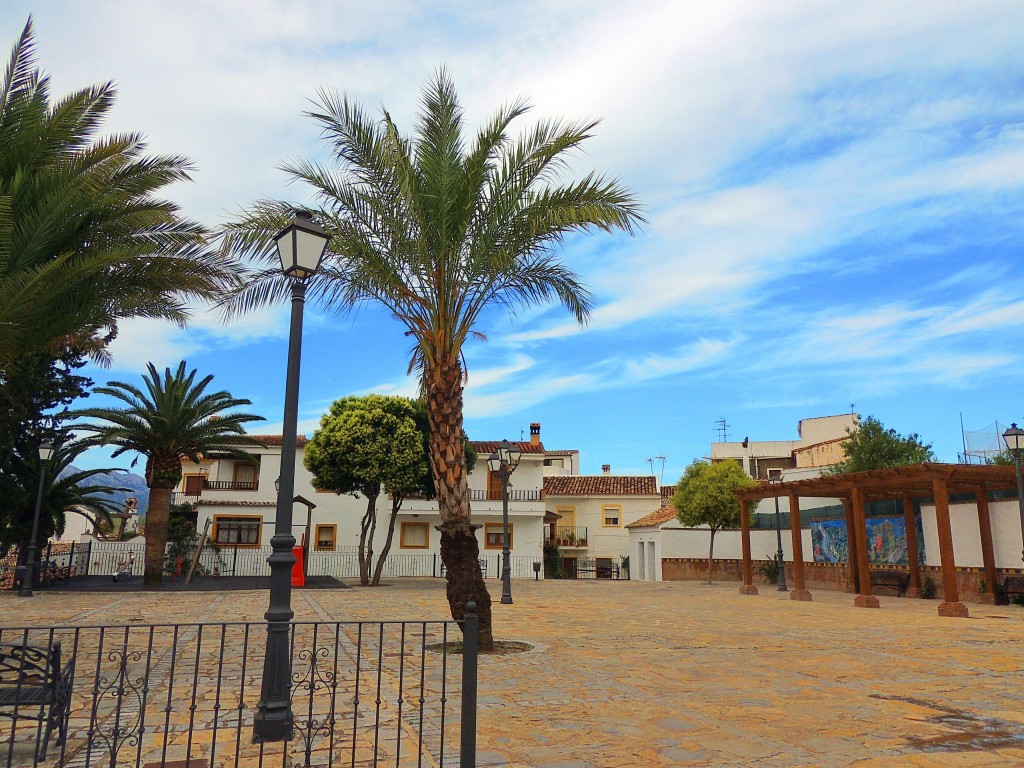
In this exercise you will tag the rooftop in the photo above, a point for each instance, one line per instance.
(601, 485)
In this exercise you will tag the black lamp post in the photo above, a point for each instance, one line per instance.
(778, 534)
(29, 580)
(1014, 438)
(301, 246)
(503, 463)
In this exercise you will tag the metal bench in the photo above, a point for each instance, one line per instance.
(898, 580)
(34, 686)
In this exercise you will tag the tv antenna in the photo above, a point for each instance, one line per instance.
(723, 430)
(661, 475)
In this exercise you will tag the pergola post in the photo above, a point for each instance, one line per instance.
(852, 582)
(800, 591)
(988, 557)
(913, 559)
(864, 597)
(748, 587)
(951, 605)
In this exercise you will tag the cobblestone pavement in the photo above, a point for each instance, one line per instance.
(680, 673)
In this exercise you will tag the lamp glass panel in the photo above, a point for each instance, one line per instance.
(494, 462)
(285, 252)
(309, 249)
(1014, 437)
(515, 453)
(45, 451)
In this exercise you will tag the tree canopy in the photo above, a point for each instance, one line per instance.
(84, 239)
(871, 446)
(173, 418)
(704, 496)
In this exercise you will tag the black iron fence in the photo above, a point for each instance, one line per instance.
(363, 694)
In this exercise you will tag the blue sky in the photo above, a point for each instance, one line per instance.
(835, 194)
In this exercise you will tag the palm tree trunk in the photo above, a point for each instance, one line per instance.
(157, 516)
(460, 550)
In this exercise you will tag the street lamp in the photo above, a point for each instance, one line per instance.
(300, 246)
(1014, 438)
(503, 463)
(29, 580)
(778, 533)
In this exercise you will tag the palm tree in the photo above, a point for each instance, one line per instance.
(174, 419)
(84, 239)
(64, 490)
(437, 228)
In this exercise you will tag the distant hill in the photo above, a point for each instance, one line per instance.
(120, 479)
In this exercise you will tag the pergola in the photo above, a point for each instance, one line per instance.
(906, 483)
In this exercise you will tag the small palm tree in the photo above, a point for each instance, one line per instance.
(174, 419)
(438, 229)
(85, 239)
(64, 491)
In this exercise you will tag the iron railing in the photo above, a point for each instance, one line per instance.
(231, 485)
(362, 693)
(513, 495)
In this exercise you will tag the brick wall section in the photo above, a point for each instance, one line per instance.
(831, 576)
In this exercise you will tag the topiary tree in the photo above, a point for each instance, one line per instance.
(704, 496)
(366, 446)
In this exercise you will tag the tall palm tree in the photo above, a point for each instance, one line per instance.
(173, 419)
(84, 239)
(437, 228)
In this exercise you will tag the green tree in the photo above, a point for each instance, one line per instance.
(366, 446)
(440, 228)
(175, 418)
(872, 446)
(35, 391)
(704, 496)
(85, 240)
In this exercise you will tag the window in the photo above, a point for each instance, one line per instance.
(326, 538)
(493, 538)
(244, 476)
(415, 535)
(554, 463)
(611, 516)
(237, 531)
(194, 484)
(774, 474)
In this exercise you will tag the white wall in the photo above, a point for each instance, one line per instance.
(963, 519)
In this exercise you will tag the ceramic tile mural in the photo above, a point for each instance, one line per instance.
(886, 540)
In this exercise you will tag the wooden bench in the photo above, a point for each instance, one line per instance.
(34, 686)
(1012, 588)
(898, 580)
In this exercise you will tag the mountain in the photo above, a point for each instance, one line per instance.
(119, 479)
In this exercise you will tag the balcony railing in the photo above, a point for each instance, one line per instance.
(569, 536)
(513, 495)
(231, 485)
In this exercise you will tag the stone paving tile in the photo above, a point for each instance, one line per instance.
(671, 674)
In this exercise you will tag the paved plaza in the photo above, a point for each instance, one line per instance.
(680, 673)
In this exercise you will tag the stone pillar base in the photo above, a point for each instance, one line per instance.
(748, 589)
(914, 592)
(987, 598)
(800, 594)
(866, 601)
(955, 610)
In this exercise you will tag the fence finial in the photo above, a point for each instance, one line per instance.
(471, 608)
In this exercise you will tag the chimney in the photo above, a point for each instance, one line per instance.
(535, 433)
(606, 469)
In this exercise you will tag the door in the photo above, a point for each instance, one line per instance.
(493, 486)
(566, 524)
(194, 484)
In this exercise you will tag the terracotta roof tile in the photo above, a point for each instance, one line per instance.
(657, 517)
(485, 448)
(601, 485)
